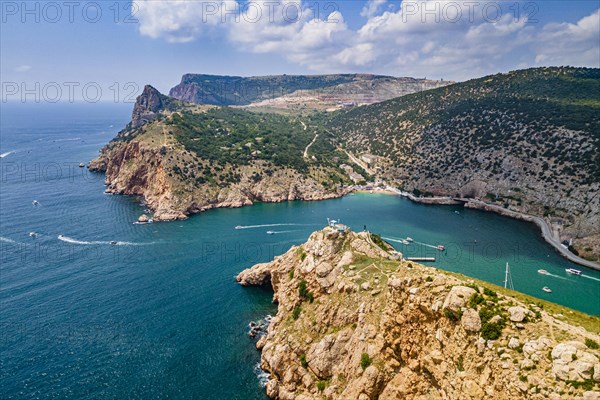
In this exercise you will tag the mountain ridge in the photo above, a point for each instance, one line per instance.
(332, 90)
(527, 140)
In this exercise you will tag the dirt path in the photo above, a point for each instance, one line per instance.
(311, 143)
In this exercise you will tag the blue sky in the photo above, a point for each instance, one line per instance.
(441, 39)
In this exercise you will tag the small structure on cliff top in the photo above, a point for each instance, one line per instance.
(335, 224)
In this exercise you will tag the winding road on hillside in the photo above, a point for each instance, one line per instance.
(311, 143)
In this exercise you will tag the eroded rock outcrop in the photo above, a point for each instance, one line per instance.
(356, 322)
(148, 159)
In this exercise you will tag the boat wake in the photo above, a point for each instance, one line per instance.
(557, 276)
(67, 239)
(425, 244)
(401, 241)
(278, 232)
(7, 240)
(408, 241)
(66, 139)
(269, 225)
(590, 277)
(8, 153)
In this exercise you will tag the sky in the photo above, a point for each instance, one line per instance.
(108, 50)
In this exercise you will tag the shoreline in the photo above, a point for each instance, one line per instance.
(467, 203)
(480, 205)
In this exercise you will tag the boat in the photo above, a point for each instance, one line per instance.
(508, 283)
(270, 232)
(239, 227)
(547, 289)
(440, 247)
(457, 212)
(35, 203)
(81, 165)
(405, 242)
(573, 271)
(543, 272)
(32, 234)
(409, 239)
(113, 242)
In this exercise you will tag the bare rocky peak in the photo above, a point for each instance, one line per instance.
(147, 105)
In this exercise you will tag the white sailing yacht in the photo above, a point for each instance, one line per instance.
(508, 283)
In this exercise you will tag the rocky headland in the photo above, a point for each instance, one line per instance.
(149, 159)
(355, 321)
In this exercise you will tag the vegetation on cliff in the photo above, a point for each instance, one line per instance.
(381, 329)
(298, 91)
(526, 140)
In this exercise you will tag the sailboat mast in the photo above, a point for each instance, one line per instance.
(508, 282)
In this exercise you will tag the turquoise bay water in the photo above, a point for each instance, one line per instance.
(159, 315)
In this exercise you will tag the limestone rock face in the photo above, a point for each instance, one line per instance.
(392, 341)
(257, 276)
(146, 106)
(518, 314)
(572, 361)
(471, 321)
(458, 297)
(143, 167)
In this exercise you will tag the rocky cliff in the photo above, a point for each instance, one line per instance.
(356, 322)
(296, 91)
(184, 159)
(146, 169)
(149, 104)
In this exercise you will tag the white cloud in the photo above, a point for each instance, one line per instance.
(570, 44)
(180, 21)
(372, 8)
(300, 37)
(434, 38)
(23, 68)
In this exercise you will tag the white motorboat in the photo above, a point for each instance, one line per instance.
(573, 271)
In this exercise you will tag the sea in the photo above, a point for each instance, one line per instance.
(95, 306)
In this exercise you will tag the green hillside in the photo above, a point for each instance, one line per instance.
(518, 113)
